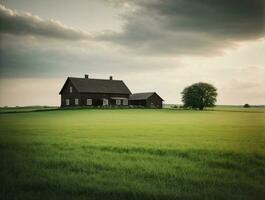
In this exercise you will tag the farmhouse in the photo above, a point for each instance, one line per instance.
(103, 92)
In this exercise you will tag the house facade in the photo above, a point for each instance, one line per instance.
(104, 92)
(94, 92)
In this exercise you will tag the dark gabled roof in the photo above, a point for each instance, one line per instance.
(88, 85)
(142, 96)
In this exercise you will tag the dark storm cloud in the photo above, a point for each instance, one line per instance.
(12, 22)
(189, 26)
(31, 57)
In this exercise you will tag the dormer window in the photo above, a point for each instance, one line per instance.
(71, 89)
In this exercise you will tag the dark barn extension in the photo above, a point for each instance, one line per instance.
(147, 99)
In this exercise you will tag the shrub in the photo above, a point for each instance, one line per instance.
(174, 106)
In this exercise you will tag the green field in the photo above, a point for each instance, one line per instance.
(133, 154)
(26, 109)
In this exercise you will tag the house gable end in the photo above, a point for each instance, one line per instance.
(65, 86)
(155, 94)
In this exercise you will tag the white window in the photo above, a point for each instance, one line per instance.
(76, 101)
(105, 102)
(71, 89)
(89, 102)
(118, 102)
(125, 102)
(67, 101)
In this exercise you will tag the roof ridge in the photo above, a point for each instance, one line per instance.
(144, 93)
(94, 79)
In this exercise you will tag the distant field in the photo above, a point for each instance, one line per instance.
(167, 106)
(239, 108)
(133, 154)
(26, 109)
(259, 108)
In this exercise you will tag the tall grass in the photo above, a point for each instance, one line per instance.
(132, 154)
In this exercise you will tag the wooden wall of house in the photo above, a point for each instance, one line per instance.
(96, 97)
(67, 95)
(154, 101)
(138, 103)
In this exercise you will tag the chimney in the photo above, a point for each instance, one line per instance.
(86, 75)
(110, 78)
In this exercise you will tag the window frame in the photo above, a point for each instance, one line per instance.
(89, 100)
(71, 89)
(67, 102)
(105, 102)
(125, 102)
(76, 101)
(118, 102)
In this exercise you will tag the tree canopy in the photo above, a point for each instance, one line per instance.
(199, 95)
(246, 105)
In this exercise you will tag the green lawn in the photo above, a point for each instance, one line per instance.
(132, 154)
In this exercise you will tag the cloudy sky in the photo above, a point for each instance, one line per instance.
(153, 45)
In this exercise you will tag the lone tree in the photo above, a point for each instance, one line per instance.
(199, 95)
(246, 105)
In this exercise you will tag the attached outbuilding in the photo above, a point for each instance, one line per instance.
(146, 99)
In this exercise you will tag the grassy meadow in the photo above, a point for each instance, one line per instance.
(133, 154)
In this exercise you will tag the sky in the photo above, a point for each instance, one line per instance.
(152, 45)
